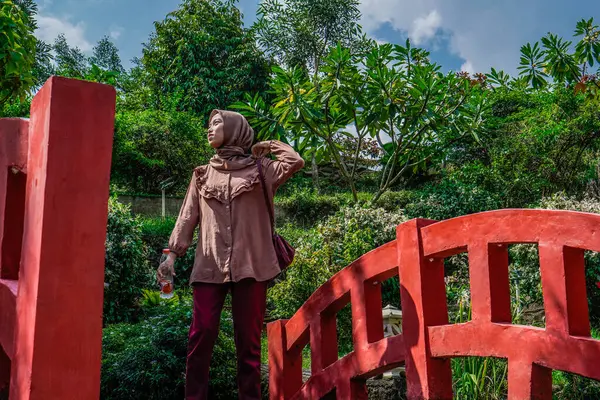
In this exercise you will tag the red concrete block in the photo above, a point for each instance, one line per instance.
(285, 372)
(58, 327)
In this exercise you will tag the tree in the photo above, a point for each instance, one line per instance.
(106, 56)
(400, 94)
(70, 61)
(200, 58)
(153, 146)
(557, 59)
(301, 32)
(17, 49)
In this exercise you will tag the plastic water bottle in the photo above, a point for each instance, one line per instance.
(166, 283)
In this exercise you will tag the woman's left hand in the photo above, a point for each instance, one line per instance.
(261, 149)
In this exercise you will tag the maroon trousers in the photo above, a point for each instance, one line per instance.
(248, 299)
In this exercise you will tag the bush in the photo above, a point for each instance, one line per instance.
(393, 201)
(146, 360)
(452, 198)
(305, 207)
(126, 268)
(155, 234)
(325, 250)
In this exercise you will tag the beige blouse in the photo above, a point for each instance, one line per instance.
(234, 236)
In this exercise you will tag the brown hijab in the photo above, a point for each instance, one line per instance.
(234, 154)
(216, 179)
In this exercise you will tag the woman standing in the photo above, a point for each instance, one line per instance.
(235, 249)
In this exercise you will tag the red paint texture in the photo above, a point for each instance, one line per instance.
(51, 317)
(428, 341)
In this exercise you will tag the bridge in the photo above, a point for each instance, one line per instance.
(54, 176)
(428, 341)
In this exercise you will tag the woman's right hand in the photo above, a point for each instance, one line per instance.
(167, 267)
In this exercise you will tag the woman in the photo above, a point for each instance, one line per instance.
(235, 250)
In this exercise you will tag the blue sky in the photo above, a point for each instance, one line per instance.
(471, 35)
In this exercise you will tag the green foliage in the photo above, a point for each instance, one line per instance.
(70, 61)
(146, 360)
(17, 49)
(126, 268)
(106, 56)
(556, 59)
(453, 196)
(300, 32)
(200, 58)
(153, 146)
(305, 208)
(477, 377)
(155, 234)
(400, 93)
(16, 108)
(394, 201)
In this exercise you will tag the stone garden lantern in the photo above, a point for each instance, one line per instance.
(392, 325)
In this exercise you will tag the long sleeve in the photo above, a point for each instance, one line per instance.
(188, 220)
(287, 162)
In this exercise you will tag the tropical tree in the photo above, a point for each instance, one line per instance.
(200, 58)
(557, 59)
(400, 99)
(301, 32)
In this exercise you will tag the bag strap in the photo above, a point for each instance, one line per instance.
(264, 188)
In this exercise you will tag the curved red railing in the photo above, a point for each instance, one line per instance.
(315, 323)
(428, 340)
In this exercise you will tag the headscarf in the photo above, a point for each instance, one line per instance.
(232, 170)
(234, 154)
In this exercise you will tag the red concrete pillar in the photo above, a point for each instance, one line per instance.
(423, 299)
(490, 288)
(528, 381)
(323, 342)
(285, 372)
(58, 331)
(565, 296)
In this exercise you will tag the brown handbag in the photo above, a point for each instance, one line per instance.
(285, 252)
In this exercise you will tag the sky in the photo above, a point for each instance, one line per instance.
(468, 35)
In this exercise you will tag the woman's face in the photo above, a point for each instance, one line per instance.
(216, 134)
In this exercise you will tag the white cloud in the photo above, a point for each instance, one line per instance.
(468, 67)
(50, 27)
(483, 34)
(115, 32)
(425, 28)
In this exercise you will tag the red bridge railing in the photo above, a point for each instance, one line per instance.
(54, 180)
(428, 341)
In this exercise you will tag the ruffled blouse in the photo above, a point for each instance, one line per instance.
(234, 231)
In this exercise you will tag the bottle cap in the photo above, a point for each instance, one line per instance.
(166, 251)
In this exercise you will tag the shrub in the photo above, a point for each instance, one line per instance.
(126, 268)
(155, 234)
(146, 360)
(307, 207)
(452, 198)
(393, 201)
